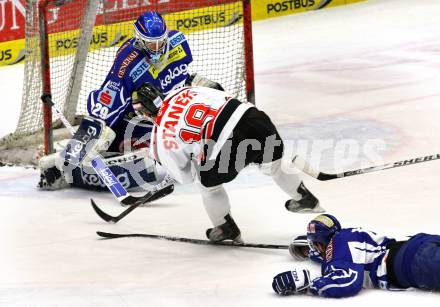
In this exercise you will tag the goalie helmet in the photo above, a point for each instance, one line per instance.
(148, 100)
(151, 34)
(320, 231)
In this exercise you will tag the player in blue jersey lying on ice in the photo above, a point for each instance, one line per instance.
(353, 258)
(154, 55)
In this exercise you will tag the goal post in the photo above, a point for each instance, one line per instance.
(248, 51)
(71, 45)
(45, 78)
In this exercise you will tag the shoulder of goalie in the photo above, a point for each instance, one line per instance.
(91, 137)
(196, 79)
(296, 281)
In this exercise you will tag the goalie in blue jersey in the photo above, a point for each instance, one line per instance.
(353, 258)
(154, 55)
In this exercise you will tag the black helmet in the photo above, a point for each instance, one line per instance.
(150, 97)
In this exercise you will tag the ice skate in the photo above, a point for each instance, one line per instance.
(307, 204)
(226, 231)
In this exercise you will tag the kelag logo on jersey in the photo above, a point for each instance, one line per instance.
(172, 74)
(139, 70)
(107, 97)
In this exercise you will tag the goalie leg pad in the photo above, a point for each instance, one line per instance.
(134, 170)
(91, 137)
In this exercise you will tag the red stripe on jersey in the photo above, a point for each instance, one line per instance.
(161, 112)
(153, 145)
(209, 128)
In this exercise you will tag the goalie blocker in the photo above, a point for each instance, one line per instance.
(72, 165)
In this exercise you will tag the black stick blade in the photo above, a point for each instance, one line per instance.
(325, 176)
(147, 198)
(108, 235)
(106, 217)
(133, 202)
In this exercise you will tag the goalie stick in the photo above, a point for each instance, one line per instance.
(101, 169)
(308, 169)
(108, 235)
(150, 196)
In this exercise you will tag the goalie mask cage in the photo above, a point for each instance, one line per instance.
(71, 45)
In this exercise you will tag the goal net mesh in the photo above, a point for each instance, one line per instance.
(84, 35)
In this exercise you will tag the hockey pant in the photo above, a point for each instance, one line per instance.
(417, 263)
(254, 126)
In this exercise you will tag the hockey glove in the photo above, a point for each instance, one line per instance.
(292, 282)
(198, 80)
(299, 248)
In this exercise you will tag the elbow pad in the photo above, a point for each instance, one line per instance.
(198, 80)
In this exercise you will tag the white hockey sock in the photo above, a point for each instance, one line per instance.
(285, 174)
(216, 202)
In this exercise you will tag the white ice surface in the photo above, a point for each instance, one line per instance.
(367, 72)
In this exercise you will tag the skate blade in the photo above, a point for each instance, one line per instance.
(238, 240)
(317, 209)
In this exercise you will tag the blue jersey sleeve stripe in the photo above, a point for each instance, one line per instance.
(121, 109)
(351, 275)
(177, 39)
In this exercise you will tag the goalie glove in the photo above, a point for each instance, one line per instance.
(299, 248)
(197, 80)
(296, 281)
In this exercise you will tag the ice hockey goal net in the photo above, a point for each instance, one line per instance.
(81, 37)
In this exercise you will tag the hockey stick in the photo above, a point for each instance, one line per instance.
(108, 235)
(100, 168)
(153, 195)
(308, 169)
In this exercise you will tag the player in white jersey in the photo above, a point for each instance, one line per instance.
(354, 258)
(206, 134)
